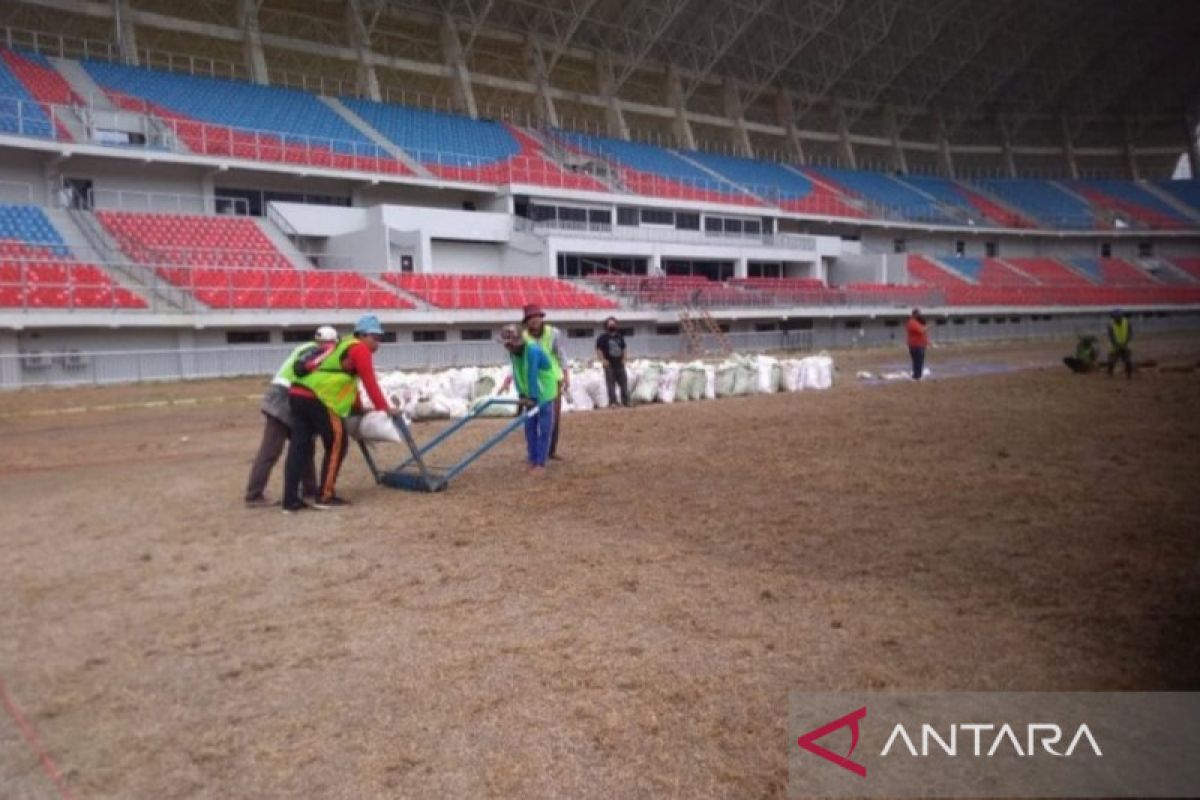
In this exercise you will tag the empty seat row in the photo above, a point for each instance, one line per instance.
(480, 291)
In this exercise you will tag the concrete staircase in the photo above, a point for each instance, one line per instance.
(100, 113)
(389, 147)
(90, 242)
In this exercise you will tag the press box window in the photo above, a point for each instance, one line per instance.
(579, 333)
(627, 216)
(429, 336)
(476, 335)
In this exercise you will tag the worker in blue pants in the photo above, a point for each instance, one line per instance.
(537, 387)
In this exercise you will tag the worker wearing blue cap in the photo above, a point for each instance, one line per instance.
(320, 400)
(1120, 334)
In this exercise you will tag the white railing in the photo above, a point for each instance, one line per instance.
(159, 202)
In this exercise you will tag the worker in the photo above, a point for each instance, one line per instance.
(278, 423)
(1085, 357)
(320, 401)
(549, 339)
(611, 350)
(537, 387)
(918, 341)
(1120, 334)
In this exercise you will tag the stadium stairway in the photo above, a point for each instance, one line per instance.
(375, 136)
(1174, 201)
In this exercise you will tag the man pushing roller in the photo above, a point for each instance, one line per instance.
(537, 386)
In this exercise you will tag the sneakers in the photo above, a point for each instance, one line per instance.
(292, 509)
(330, 504)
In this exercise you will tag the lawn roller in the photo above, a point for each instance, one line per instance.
(414, 475)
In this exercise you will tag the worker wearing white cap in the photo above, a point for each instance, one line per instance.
(278, 425)
(320, 400)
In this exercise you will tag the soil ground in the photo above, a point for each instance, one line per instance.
(629, 626)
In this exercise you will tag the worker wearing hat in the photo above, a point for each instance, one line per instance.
(320, 401)
(1120, 334)
(549, 339)
(537, 386)
(278, 423)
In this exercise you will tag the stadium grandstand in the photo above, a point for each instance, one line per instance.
(223, 176)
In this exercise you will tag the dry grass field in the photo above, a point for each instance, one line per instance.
(629, 626)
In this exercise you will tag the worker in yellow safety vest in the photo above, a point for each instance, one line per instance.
(1120, 334)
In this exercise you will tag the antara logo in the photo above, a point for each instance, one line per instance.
(981, 740)
(809, 741)
(1002, 738)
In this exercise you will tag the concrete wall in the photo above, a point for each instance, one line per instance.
(470, 258)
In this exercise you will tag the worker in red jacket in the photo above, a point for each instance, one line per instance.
(918, 340)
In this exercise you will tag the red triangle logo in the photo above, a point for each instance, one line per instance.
(809, 741)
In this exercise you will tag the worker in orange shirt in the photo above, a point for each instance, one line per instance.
(918, 340)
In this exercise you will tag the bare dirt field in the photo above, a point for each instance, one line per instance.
(630, 626)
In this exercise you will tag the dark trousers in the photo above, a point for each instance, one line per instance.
(918, 362)
(557, 419)
(1125, 356)
(310, 419)
(616, 376)
(275, 436)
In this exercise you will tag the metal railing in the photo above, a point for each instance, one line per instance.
(595, 230)
(69, 366)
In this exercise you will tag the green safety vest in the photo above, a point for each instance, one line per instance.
(286, 372)
(547, 380)
(546, 342)
(331, 383)
(1120, 331)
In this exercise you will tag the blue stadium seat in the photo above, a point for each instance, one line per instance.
(433, 136)
(20, 112)
(293, 115)
(970, 267)
(768, 180)
(1186, 191)
(655, 170)
(1132, 200)
(29, 225)
(1042, 200)
(892, 196)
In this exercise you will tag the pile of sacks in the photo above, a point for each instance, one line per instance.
(453, 393)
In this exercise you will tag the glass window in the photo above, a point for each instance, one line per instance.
(686, 221)
(713, 224)
(247, 337)
(476, 334)
(580, 333)
(657, 216)
(568, 214)
(429, 336)
(600, 216)
(628, 216)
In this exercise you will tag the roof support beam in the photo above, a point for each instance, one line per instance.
(1130, 153)
(256, 61)
(800, 33)
(1006, 147)
(733, 110)
(843, 130)
(899, 159)
(456, 60)
(365, 79)
(649, 25)
(124, 32)
(684, 137)
(613, 115)
(947, 157)
(1069, 148)
(564, 41)
(785, 112)
(545, 112)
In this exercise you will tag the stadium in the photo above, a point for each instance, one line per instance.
(754, 194)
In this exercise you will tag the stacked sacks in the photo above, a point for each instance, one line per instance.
(454, 393)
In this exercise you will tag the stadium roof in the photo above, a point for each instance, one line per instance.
(955, 56)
